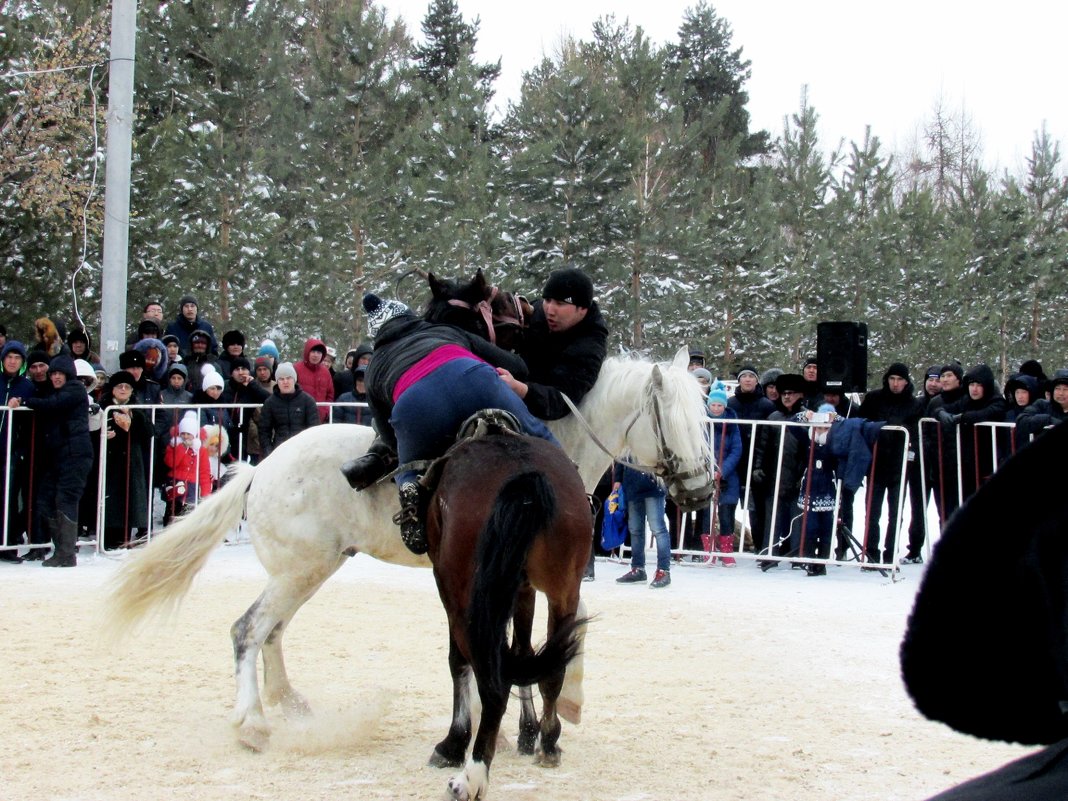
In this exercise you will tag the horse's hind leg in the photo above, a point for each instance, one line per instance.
(549, 750)
(276, 686)
(449, 753)
(250, 632)
(522, 626)
(472, 782)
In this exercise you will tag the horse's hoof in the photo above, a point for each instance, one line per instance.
(253, 738)
(569, 711)
(457, 790)
(439, 760)
(550, 760)
(525, 746)
(295, 707)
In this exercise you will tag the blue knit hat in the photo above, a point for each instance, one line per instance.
(718, 395)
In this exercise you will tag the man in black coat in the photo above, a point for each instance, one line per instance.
(563, 348)
(985, 650)
(896, 405)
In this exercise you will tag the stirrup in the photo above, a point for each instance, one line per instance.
(489, 421)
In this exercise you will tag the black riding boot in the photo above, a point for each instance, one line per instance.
(365, 470)
(65, 537)
(411, 517)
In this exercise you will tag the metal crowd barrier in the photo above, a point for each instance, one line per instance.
(160, 428)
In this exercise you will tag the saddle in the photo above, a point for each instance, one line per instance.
(483, 423)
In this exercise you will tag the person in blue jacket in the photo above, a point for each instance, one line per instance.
(726, 454)
(645, 496)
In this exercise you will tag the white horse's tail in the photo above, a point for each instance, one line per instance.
(156, 578)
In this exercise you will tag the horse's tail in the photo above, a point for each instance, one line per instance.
(156, 578)
(525, 505)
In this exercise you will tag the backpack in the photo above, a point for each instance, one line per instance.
(614, 526)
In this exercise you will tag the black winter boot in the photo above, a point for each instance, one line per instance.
(65, 537)
(365, 470)
(411, 517)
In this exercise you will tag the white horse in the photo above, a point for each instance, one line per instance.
(305, 522)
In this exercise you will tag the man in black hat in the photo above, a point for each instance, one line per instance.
(896, 405)
(564, 346)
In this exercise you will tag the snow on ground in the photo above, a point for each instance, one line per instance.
(729, 684)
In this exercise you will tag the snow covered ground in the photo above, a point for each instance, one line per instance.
(729, 684)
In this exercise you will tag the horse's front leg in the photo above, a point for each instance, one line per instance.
(522, 627)
(449, 753)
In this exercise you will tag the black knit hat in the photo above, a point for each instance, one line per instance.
(899, 369)
(955, 368)
(36, 357)
(239, 362)
(188, 299)
(569, 285)
(986, 651)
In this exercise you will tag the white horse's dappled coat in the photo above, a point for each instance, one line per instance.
(305, 520)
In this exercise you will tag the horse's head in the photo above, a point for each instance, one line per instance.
(670, 434)
(480, 308)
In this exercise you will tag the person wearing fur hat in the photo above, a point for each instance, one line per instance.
(14, 466)
(64, 458)
(146, 390)
(424, 381)
(314, 376)
(982, 403)
(188, 467)
(984, 651)
(563, 347)
(896, 405)
(766, 467)
(129, 432)
(188, 321)
(156, 360)
(286, 412)
(48, 338)
(233, 346)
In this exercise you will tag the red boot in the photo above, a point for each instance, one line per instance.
(706, 546)
(725, 544)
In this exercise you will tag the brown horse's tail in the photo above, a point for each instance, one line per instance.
(524, 507)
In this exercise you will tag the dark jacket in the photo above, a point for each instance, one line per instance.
(851, 441)
(637, 485)
(284, 416)
(766, 455)
(749, 406)
(727, 452)
(182, 328)
(1033, 420)
(243, 421)
(567, 362)
(126, 503)
(64, 419)
(405, 340)
(17, 386)
(900, 409)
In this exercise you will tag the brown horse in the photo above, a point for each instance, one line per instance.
(509, 517)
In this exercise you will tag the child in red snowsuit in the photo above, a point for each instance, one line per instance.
(189, 467)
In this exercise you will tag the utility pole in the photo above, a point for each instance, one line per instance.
(117, 182)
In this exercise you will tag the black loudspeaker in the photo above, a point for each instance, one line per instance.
(842, 356)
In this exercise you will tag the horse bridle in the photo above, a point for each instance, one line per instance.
(484, 308)
(668, 463)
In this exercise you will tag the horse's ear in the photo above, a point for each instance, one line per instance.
(657, 380)
(682, 359)
(478, 283)
(437, 288)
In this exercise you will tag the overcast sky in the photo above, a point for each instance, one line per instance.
(865, 63)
